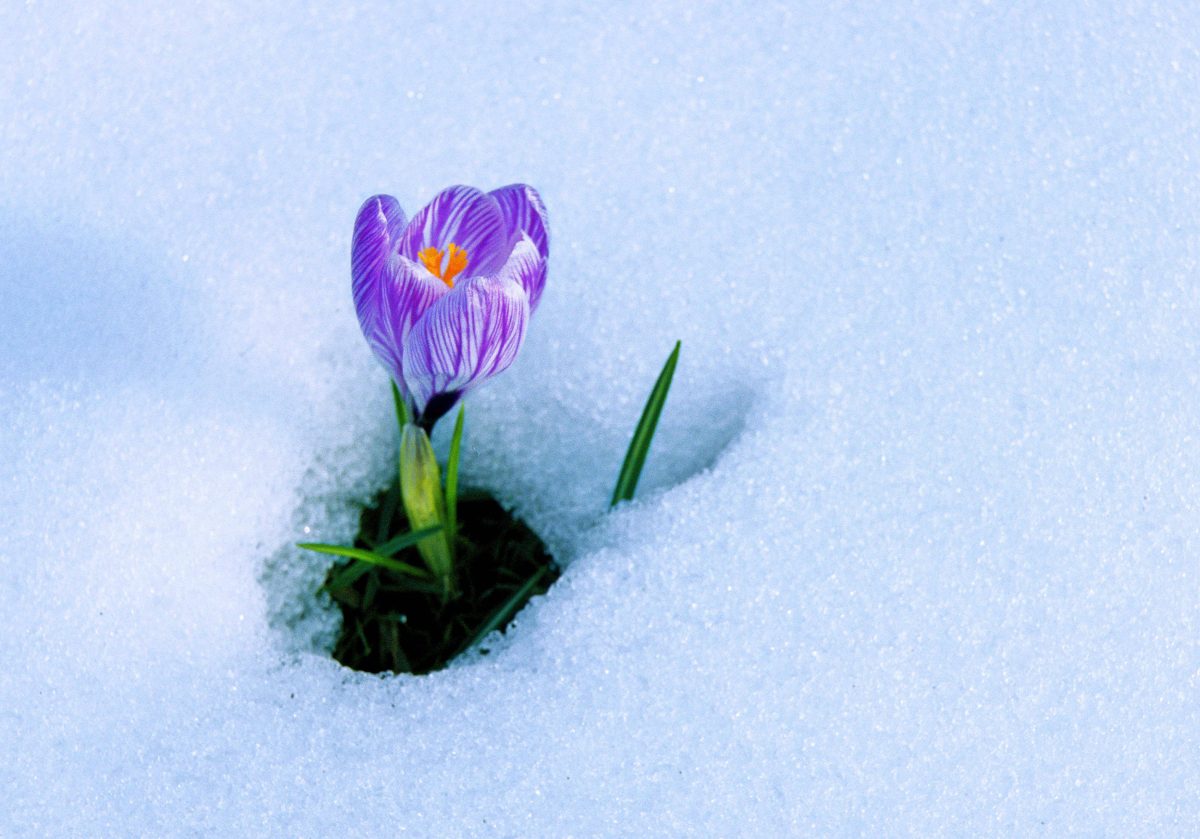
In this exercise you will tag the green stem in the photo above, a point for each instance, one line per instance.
(424, 502)
(452, 481)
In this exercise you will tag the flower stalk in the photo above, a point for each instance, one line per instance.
(421, 492)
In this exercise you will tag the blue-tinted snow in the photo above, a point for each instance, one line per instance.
(917, 548)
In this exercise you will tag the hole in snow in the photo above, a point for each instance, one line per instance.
(393, 622)
(370, 620)
(376, 620)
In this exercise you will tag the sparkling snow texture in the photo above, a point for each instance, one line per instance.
(917, 547)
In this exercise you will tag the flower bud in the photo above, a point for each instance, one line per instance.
(421, 489)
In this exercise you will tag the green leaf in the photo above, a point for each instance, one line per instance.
(409, 584)
(501, 616)
(369, 592)
(368, 556)
(639, 446)
(405, 540)
(362, 636)
(391, 502)
(347, 576)
(402, 416)
(452, 479)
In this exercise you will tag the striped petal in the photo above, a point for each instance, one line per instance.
(527, 267)
(377, 228)
(524, 212)
(406, 292)
(469, 335)
(466, 217)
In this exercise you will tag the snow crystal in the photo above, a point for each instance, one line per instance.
(916, 547)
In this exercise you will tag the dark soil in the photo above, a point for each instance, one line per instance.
(395, 623)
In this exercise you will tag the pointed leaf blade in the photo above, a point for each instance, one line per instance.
(402, 416)
(507, 609)
(396, 544)
(366, 556)
(639, 446)
(452, 478)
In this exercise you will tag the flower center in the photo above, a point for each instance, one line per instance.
(456, 261)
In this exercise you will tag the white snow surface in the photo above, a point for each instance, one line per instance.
(916, 551)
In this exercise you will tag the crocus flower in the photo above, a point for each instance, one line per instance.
(444, 298)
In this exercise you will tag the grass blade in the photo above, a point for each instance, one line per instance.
(402, 416)
(452, 480)
(405, 540)
(367, 556)
(639, 446)
(347, 577)
(501, 616)
(387, 512)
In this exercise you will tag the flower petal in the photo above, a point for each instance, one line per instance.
(524, 212)
(377, 228)
(406, 292)
(468, 336)
(464, 216)
(526, 266)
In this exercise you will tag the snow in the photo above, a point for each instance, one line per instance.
(916, 547)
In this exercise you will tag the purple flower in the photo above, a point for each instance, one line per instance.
(444, 299)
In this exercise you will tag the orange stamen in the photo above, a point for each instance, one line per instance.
(456, 261)
(431, 258)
